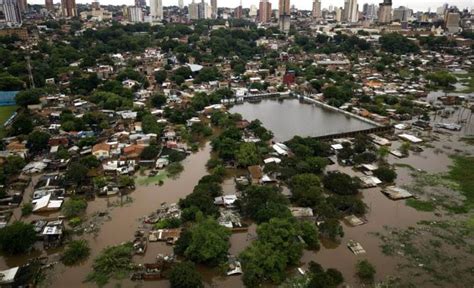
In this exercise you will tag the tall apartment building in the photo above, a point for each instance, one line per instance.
(317, 9)
(253, 12)
(351, 11)
(402, 14)
(12, 13)
(284, 16)
(68, 8)
(265, 11)
(214, 9)
(452, 21)
(135, 14)
(156, 10)
(385, 12)
(193, 10)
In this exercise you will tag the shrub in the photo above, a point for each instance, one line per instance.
(75, 252)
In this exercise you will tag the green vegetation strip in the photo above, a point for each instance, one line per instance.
(462, 172)
(152, 180)
(420, 205)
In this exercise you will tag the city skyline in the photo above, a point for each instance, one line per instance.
(300, 4)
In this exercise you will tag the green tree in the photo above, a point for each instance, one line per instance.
(29, 97)
(112, 262)
(17, 238)
(77, 173)
(158, 100)
(443, 80)
(38, 141)
(161, 76)
(262, 203)
(341, 183)
(306, 189)
(75, 252)
(385, 174)
(247, 155)
(208, 242)
(150, 152)
(74, 207)
(332, 229)
(184, 275)
(276, 247)
(365, 271)
(22, 125)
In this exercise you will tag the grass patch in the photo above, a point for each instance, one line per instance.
(6, 112)
(462, 172)
(145, 181)
(420, 205)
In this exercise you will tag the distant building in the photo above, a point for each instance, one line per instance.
(265, 11)
(385, 12)
(284, 16)
(22, 5)
(238, 12)
(351, 12)
(402, 14)
(49, 5)
(135, 14)
(181, 4)
(68, 8)
(370, 11)
(452, 21)
(317, 9)
(214, 9)
(193, 11)
(156, 10)
(12, 13)
(140, 3)
(338, 16)
(253, 12)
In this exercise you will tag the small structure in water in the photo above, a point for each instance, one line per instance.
(355, 247)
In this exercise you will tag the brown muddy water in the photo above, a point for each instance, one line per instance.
(146, 199)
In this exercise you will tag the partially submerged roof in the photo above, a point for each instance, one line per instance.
(396, 193)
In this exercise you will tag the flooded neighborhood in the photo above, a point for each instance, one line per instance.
(307, 145)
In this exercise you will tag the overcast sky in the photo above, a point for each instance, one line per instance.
(303, 4)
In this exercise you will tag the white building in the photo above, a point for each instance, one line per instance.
(156, 10)
(135, 14)
(12, 12)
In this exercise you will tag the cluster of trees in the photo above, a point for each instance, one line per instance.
(317, 277)
(362, 151)
(205, 242)
(276, 248)
(398, 44)
(325, 44)
(443, 80)
(201, 200)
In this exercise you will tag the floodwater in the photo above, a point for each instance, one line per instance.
(146, 199)
(289, 117)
